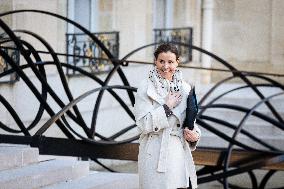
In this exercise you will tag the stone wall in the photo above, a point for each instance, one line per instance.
(249, 35)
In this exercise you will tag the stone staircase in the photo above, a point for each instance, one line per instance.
(21, 168)
(259, 128)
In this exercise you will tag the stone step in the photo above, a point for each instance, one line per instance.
(217, 142)
(12, 156)
(257, 129)
(42, 174)
(101, 180)
(277, 103)
(236, 116)
(202, 89)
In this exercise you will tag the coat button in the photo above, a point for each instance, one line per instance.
(156, 129)
(178, 125)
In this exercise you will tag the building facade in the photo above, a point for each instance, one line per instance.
(248, 34)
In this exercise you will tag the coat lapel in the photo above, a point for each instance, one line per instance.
(152, 93)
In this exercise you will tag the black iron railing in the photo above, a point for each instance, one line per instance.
(8, 47)
(83, 140)
(88, 55)
(178, 35)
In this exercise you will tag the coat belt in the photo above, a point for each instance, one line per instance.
(163, 153)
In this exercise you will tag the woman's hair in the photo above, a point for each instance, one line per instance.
(166, 47)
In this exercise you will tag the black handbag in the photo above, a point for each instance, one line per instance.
(191, 110)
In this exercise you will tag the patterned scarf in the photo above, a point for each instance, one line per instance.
(164, 86)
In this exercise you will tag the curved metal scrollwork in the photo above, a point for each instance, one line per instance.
(212, 100)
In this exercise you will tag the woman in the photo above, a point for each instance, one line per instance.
(165, 159)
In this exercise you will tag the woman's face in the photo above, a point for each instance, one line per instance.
(166, 64)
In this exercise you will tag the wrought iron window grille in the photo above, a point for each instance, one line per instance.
(178, 35)
(88, 55)
(9, 48)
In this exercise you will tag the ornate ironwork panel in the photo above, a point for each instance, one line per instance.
(9, 48)
(81, 139)
(88, 55)
(178, 35)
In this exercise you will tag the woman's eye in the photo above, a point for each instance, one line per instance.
(161, 61)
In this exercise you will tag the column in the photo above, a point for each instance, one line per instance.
(207, 30)
(70, 15)
(169, 13)
(94, 14)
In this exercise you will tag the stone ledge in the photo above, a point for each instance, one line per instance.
(43, 174)
(101, 180)
(12, 156)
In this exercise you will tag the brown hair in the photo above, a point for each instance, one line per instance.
(166, 47)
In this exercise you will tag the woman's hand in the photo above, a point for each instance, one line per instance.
(190, 135)
(173, 99)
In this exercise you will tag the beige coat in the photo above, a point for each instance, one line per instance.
(164, 160)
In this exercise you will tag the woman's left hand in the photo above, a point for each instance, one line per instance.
(190, 135)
